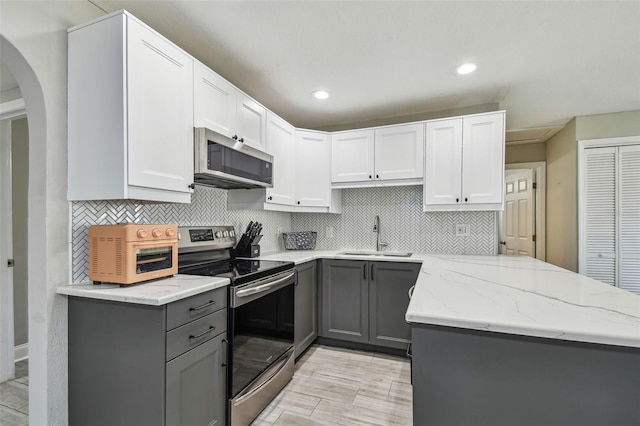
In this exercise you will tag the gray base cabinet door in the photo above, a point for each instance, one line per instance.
(196, 385)
(366, 302)
(306, 307)
(345, 300)
(389, 285)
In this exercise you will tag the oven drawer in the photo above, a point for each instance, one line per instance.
(187, 337)
(194, 307)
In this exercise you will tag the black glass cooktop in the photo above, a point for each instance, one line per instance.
(240, 271)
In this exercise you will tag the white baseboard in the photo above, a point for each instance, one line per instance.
(21, 352)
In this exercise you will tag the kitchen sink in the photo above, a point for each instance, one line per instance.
(376, 253)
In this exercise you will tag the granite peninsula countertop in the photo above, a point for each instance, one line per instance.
(510, 294)
(156, 293)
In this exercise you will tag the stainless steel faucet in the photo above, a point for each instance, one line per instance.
(376, 228)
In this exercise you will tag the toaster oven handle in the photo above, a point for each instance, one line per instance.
(263, 287)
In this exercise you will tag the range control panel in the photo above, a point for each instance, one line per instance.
(209, 237)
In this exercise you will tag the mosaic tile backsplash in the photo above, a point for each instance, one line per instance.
(403, 223)
(208, 207)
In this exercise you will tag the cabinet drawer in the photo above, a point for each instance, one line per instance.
(196, 332)
(192, 308)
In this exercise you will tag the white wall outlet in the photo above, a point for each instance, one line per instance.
(462, 230)
(329, 232)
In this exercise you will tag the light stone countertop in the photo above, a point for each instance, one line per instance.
(156, 293)
(514, 295)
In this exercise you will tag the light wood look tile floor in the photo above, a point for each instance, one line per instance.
(331, 386)
(14, 397)
(334, 386)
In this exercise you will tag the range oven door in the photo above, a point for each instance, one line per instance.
(261, 344)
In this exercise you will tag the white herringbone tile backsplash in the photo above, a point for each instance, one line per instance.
(208, 207)
(403, 223)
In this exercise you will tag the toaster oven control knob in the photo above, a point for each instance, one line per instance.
(170, 232)
(232, 233)
(156, 232)
(225, 234)
(142, 233)
(219, 234)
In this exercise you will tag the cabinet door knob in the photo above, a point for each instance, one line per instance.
(298, 202)
(241, 139)
(369, 176)
(270, 198)
(466, 199)
(377, 177)
(234, 137)
(192, 186)
(457, 200)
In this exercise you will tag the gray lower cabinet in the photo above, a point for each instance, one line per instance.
(366, 302)
(345, 300)
(191, 378)
(483, 378)
(389, 284)
(306, 307)
(132, 364)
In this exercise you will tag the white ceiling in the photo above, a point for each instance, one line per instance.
(543, 61)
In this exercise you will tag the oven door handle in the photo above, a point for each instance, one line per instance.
(263, 287)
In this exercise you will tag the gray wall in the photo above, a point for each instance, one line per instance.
(403, 224)
(525, 153)
(20, 170)
(562, 178)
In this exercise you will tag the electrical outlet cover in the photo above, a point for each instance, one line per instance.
(462, 230)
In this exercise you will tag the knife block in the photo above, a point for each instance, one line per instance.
(244, 248)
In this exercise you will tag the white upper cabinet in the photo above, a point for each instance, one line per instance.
(130, 116)
(313, 169)
(443, 162)
(221, 107)
(215, 101)
(483, 159)
(464, 163)
(399, 152)
(251, 122)
(352, 157)
(281, 144)
(392, 155)
(301, 173)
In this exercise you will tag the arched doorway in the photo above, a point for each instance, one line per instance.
(38, 301)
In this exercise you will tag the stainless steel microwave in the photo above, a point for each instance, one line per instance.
(227, 163)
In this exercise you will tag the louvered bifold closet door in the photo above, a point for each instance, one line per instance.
(600, 217)
(629, 215)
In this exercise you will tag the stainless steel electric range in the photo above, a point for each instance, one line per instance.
(260, 304)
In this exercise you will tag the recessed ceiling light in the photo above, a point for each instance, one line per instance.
(320, 94)
(466, 68)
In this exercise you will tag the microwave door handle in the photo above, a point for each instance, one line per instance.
(263, 287)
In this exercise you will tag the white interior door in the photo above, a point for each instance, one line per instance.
(600, 214)
(519, 214)
(7, 368)
(629, 218)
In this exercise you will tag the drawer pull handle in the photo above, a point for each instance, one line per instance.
(206, 305)
(211, 328)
